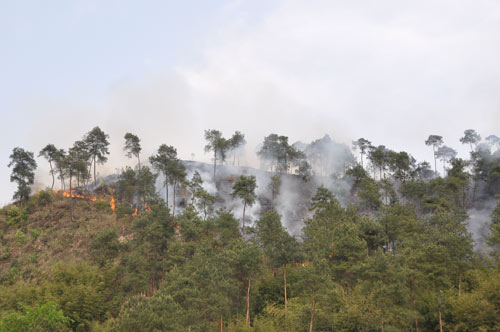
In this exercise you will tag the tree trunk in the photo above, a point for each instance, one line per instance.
(382, 325)
(215, 166)
(221, 324)
(313, 308)
(52, 173)
(459, 282)
(248, 303)
(71, 197)
(414, 303)
(435, 163)
(284, 282)
(166, 192)
(95, 178)
(440, 319)
(173, 202)
(244, 208)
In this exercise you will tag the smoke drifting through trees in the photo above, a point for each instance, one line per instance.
(384, 177)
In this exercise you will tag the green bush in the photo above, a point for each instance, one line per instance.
(123, 209)
(20, 237)
(41, 318)
(15, 215)
(34, 232)
(105, 246)
(102, 206)
(44, 198)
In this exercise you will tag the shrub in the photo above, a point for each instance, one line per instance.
(20, 237)
(44, 198)
(41, 318)
(15, 215)
(34, 232)
(105, 246)
(102, 206)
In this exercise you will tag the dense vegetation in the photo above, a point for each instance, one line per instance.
(393, 253)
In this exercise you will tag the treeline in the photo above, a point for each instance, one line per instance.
(397, 257)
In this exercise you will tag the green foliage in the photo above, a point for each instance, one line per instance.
(105, 246)
(44, 198)
(20, 237)
(82, 292)
(35, 233)
(16, 215)
(41, 318)
(102, 206)
(395, 254)
(23, 172)
(157, 313)
(280, 155)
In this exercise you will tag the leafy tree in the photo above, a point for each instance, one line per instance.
(244, 188)
(40, 318)
(218, 144)
(494, 238)
(363, 145)
(378, 158)
(246, 261)
(133, 147)
(445, 154)
(80, 157)
(97, 142)
(435, 141)
(127, 186)
(280, 153)
(23, 172)
(364, 189)
(423, 171)
(493, 140)
(304, 170)
(146, 181)
(204, 202)
(470, 137)
(194, 185)
(328, 157)
(236, 142)
(401, 165)
(59, 159)
(274, 185)
(279, 247)
(173, 169)
(157, 313)
(49, 152)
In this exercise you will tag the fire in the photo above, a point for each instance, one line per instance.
(135, 213)
(73, 194)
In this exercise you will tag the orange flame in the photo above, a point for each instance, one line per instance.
(72, 194)
(135, 213)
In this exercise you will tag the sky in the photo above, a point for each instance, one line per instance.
(391, 71)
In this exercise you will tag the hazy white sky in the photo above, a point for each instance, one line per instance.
(390, 71)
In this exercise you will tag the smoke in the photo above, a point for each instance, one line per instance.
(478, 223)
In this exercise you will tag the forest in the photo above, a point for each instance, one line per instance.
(322, 237)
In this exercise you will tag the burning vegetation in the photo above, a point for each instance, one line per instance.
(311, 241)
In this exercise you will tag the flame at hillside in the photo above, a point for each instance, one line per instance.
(74, 194)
